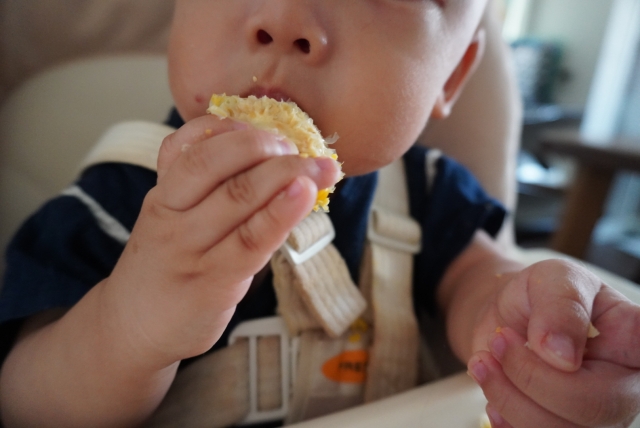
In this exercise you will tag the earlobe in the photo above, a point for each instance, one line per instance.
(441, 109)
(460, 76)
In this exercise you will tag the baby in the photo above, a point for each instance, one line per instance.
(103, 329)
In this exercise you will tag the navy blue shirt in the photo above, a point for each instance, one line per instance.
(61, 251)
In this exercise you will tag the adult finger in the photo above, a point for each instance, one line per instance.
(508, 406)
(561, 296)
(239, 197)
(192, 132)
(618, 322)
(599, 394)
(205, 165)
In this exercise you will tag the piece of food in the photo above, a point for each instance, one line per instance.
(484, 421)
(284, 118)
(593, 332)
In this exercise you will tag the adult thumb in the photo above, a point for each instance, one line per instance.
(561, 295)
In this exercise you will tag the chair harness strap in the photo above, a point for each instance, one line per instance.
(334, 346)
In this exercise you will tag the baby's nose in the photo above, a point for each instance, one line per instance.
(264, 38)
(289, 26)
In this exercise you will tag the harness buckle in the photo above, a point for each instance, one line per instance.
(297, 258)
(252, 330)
(401, 231)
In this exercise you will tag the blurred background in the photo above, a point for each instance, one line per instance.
(578, 69)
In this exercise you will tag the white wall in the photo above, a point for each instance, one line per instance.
(630, 126)
(580, 26)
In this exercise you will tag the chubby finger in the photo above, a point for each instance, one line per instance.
(561, 296)
(599, 394)
(495, 418)
(618, 321)
(253, 242)
(192, 132)
(508, 406)
(207, 164)
(239, 197)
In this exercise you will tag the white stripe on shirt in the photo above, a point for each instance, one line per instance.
(433, 155)
(109, 224)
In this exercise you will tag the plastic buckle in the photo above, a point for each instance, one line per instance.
(297, 258)
(252, 330)
(387, 241)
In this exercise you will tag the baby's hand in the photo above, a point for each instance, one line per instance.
(539, 370)
(226, 199)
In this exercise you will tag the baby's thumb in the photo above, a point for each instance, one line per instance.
(561, 295)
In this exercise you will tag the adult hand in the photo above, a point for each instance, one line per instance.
(539, 370)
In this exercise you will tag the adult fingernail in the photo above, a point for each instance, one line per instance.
(498, 345)
(477, 370)
(561, 348)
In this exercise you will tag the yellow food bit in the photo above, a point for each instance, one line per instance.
(284, 118)
(484, 421)
(593, 332)
(355, 338)
(360, 325)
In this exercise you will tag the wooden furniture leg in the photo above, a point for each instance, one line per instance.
(584, 206)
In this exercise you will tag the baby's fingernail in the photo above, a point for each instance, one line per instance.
(561, 348)
(240, 126)
(325, 164)
(477, 370)
(294, 189)
(288, 148)
(498, 346)
(494, 416)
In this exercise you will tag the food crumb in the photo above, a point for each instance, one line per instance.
(484, 421)
(593, 331)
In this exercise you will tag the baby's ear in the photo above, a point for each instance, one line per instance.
(465, 69)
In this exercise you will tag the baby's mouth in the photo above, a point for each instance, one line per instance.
(261, 91)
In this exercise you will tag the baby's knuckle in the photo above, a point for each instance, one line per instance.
(196, 160)
(153, 207)
(298, 165)
(272, 218)
(501, 402)
(600, 411)
(240, 189)
(162, 228)
(166, 145)
(249, 240)
(525, 375)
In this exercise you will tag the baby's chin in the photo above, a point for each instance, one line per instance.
(360, 165)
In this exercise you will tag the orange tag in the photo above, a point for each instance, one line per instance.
(348, 367)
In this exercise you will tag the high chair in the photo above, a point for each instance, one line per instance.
(50, 122)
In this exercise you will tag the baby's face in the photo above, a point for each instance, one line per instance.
(370, 70)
